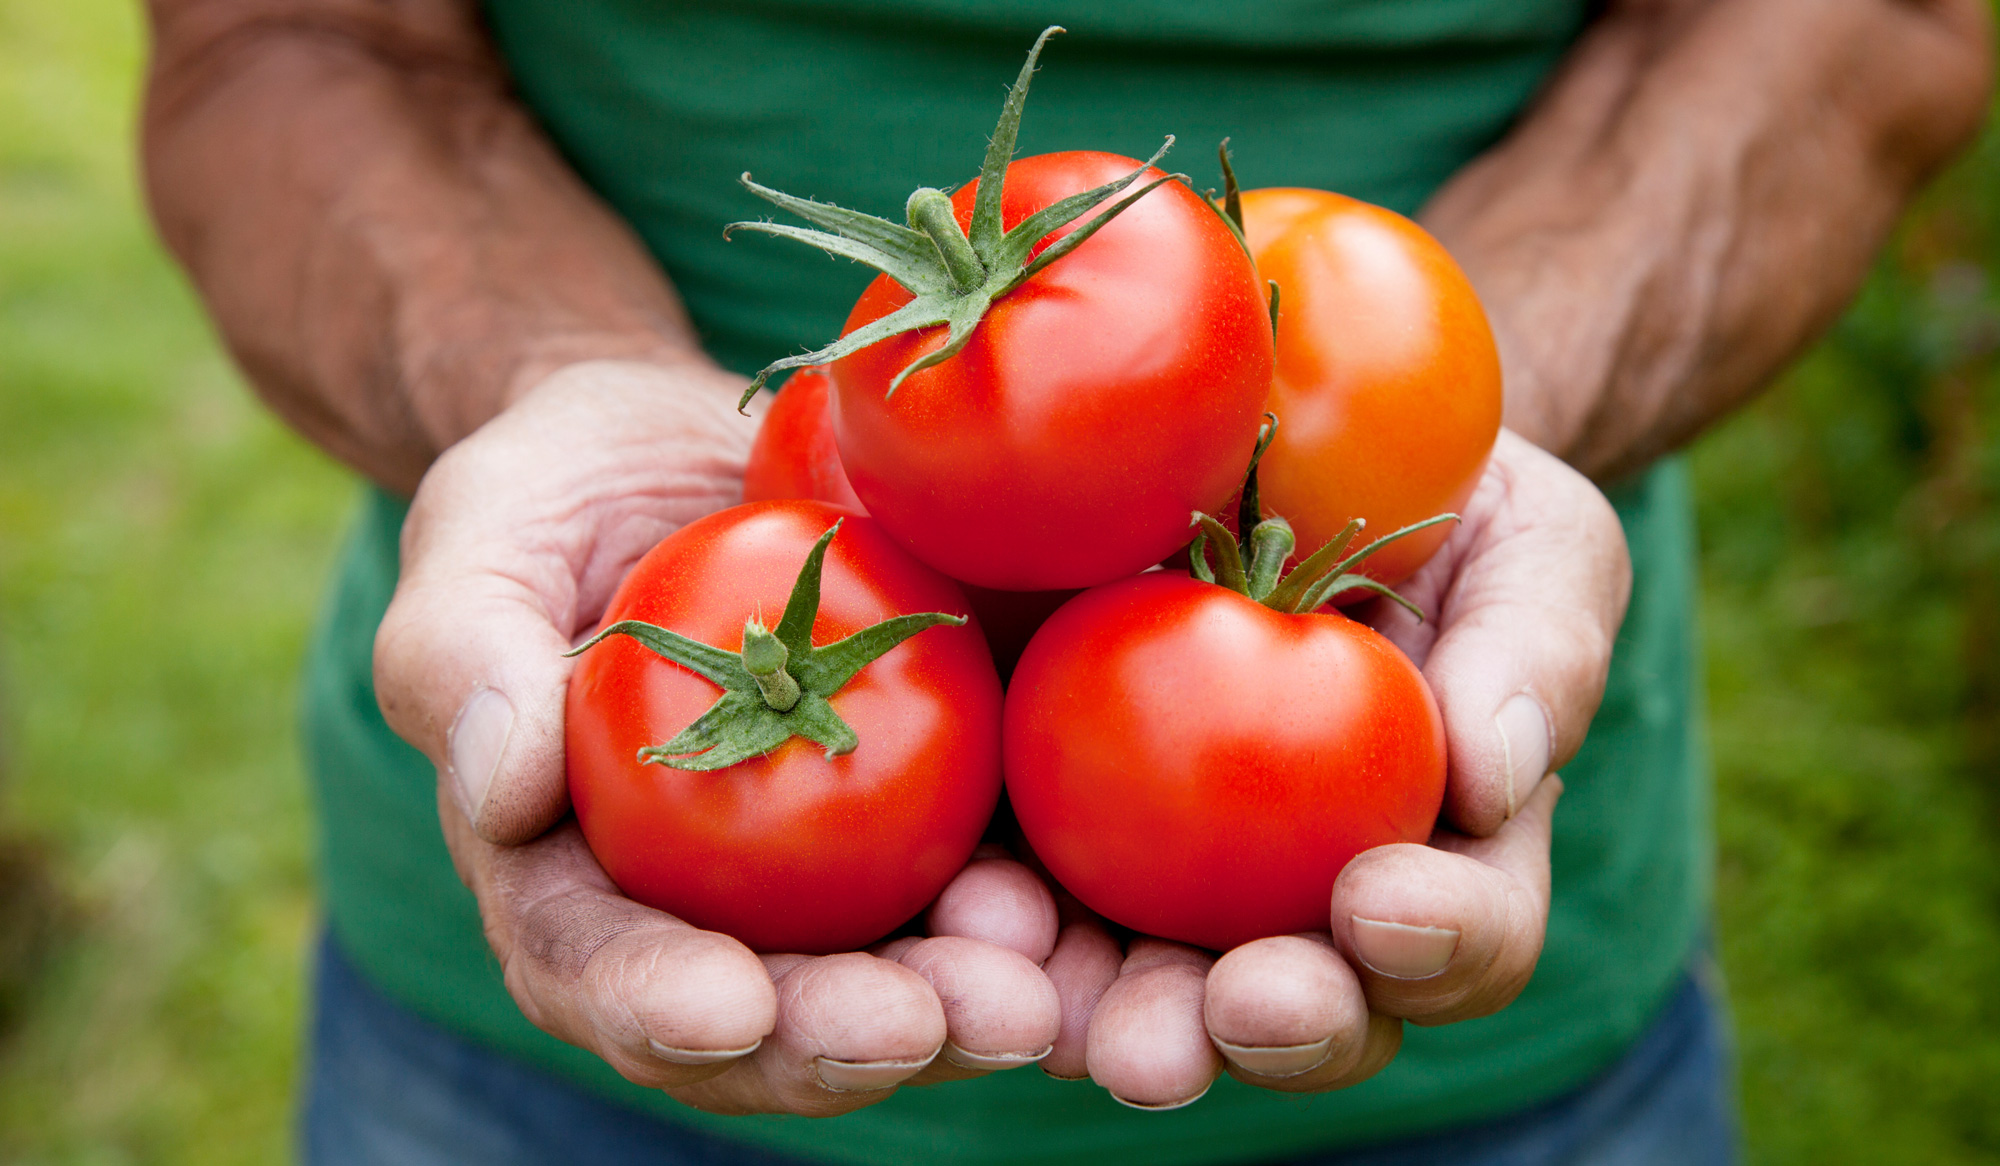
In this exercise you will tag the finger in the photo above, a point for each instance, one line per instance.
(1000, 901)
(1530, 595)
(1288, 1013)
(1082, 968)
(850, 1029)
(666, 1004)
(1000, 1011)
(1148, 1045)
(853, 1024)
(1081, 959)
(1450, 931)
(512, 544)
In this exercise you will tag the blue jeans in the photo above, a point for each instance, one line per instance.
(388, 1088)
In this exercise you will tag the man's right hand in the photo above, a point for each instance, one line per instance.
(513, 546)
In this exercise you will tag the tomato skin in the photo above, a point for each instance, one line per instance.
(1093, 409)
(1198, 767)
(1387, 386)
(794, 455)
(789, 851)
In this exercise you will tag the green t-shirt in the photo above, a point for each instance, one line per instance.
(660, 106)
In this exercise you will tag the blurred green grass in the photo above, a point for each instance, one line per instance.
(163, 543)
(1851, 571)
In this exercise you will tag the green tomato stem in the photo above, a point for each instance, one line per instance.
(1310, 584)
(929, 210)
(953, 275)
(1271, 543)
(764, 658)
(777, 687)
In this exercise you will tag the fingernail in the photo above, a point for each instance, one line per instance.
(1164, 1106)
(1053, 1075)
(477, 741)
(1524, 744)
(1401, 950)
(701, 1056)
(1276, 1060)
(993, 1061)
(862, 1076)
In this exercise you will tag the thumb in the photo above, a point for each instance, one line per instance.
(474, 678)
(468, 658)
(469, 666)
(1525, 635)
(515, 540)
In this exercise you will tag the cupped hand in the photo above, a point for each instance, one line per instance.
(513, 546)
(1525, 599)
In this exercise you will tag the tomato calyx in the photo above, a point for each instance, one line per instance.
(1325, 573)
(1229, 204)
(777, 686)
(1229, 208)
(953, 275)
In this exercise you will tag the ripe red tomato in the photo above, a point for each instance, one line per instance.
(791, 850)
(794, 457)
(1197, 766)
(1093, 408)
(1387, 380)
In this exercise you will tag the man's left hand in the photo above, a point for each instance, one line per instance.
(1527, 597)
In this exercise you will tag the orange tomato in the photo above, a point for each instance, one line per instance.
(1387, 386)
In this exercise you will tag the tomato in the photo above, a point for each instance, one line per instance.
(794, 455)
(1093, 408)
(1199, 765)
(1060, 360)
(1387, 380)
(790, 850)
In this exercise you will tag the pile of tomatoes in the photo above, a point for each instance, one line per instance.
(1193, 750)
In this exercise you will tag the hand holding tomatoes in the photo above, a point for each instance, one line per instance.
(1526, 597)
(512, 548)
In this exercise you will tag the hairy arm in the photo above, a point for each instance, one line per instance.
(1695, 196)
(389, 246)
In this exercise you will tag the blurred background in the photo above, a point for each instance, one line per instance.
(163, 544)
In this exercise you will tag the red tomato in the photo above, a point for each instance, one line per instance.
(1197, 766)
(788, 851)
(794, 457)
(1387, 384)
(1093, 408)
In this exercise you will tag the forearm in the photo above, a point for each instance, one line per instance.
(389, 246)
(1695, 198)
